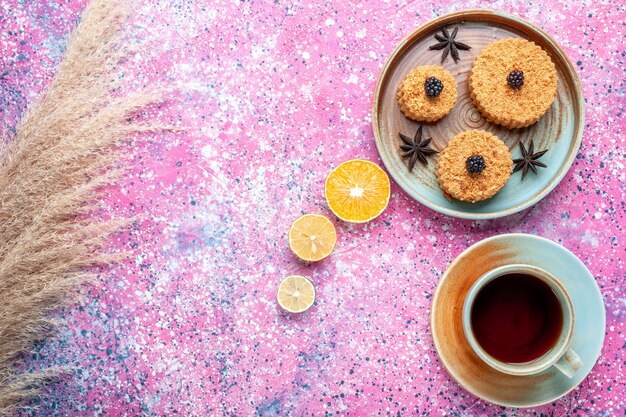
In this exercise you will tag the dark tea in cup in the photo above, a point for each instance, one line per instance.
(516, 318)
(519, 320)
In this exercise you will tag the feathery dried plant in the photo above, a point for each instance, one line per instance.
(51, 177)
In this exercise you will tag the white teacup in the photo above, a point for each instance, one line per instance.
(560, 355)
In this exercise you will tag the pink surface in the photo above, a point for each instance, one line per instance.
(273, 95)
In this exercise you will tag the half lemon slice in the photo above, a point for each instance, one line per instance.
(295, 294)
(312, 237)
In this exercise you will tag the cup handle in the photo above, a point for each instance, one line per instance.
(569, 363)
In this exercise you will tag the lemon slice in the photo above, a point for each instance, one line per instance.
(295, 294)
(357, 191)
(312, 237)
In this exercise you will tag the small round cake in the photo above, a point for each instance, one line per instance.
(427, 93)
(474, 166)
(513, 82)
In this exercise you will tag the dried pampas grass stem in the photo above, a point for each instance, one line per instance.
(51, 174)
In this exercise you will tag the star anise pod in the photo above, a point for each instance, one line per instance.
(416, 148)
(448, 43)
(529, 159)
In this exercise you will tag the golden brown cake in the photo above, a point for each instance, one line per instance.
(474, 166)
(414, 101)
(513, 82)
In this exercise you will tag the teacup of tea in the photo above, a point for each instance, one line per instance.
(519, 320)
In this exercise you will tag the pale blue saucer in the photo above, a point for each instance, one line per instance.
(454, 350)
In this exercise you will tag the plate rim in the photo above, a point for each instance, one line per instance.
(507, 19)
(456, 260)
